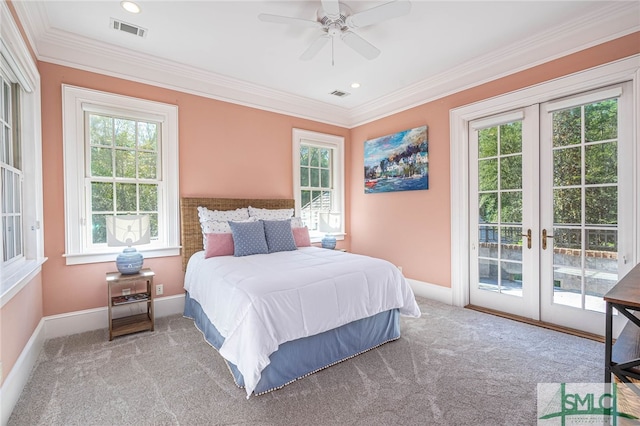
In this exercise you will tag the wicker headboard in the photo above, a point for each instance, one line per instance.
(190, 231)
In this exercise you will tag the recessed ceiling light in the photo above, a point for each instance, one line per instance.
(355, 85)
(130, 6)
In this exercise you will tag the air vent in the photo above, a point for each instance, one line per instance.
(128, 28)
(339, 93)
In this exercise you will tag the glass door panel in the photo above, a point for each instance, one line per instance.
(585, 204)
(500, 208)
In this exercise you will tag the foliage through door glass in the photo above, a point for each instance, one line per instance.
(500, 208)
(585, 203)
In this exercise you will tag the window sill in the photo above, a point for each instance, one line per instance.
(16, 277)
(110, 256)
(317, 237)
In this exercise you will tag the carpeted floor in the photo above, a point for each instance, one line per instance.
(452, 366)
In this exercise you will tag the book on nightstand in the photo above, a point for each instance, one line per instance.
(137, 297)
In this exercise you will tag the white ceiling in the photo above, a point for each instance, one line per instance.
(221, 50)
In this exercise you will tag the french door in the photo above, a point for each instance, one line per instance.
(504, 191)
(552, 187)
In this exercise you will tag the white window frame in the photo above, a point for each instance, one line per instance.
(322, 140)
(76, 101)
(19, 64)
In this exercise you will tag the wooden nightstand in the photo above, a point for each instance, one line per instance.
(116, 283)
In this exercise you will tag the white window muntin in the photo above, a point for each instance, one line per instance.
(12, 247)
(331, 190)
(76, 101)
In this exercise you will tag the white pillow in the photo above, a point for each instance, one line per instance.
(221, 226)
(215, 227)
(296, 222)
(270, 214)
(222, 215)
(215, 221)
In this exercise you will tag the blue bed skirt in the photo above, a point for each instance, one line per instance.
(302, 357)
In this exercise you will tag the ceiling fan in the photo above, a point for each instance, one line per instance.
(335, 19)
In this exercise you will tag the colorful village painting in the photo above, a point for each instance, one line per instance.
(398, 162)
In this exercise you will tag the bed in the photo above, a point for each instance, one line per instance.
(278, 317)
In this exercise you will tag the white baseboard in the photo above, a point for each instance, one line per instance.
(95, 319)
(170, 305)
(58, 326)
(19, 375)
(431, 291)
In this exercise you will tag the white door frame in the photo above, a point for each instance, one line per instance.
(627, 69)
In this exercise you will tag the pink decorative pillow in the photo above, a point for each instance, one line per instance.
(219, 245)
(301, 237)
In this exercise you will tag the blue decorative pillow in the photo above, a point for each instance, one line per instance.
(279, 235)
(248, 238)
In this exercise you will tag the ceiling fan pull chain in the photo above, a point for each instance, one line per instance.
(332, 39)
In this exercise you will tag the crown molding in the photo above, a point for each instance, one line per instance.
(13, 49)
(66, 49)
(613, 20)
(33, 19)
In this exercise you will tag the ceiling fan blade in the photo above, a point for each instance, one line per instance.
(315, 47)
(379, 14)
(266, 17)
(360, 45)
(331, 8)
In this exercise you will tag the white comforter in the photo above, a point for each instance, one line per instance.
(258, 302)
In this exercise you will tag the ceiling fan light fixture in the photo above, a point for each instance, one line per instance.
(130, 6)
(336, 21)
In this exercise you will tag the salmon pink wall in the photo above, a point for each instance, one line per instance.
(228, 150)
(225, 150)
(19, 318)
(413, 229)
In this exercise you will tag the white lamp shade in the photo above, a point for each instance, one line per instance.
(329, 222)
(128, 230)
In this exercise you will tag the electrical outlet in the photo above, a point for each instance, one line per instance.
(159, 290)
(126, 291)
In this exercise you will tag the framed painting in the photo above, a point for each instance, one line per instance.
(397, 162)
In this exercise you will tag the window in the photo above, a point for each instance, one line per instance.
(318, 173)
(22, 248)
(125, 154)
(122, 171)
(10, 167)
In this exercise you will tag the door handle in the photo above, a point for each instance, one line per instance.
(528, 235)
(544, 239)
